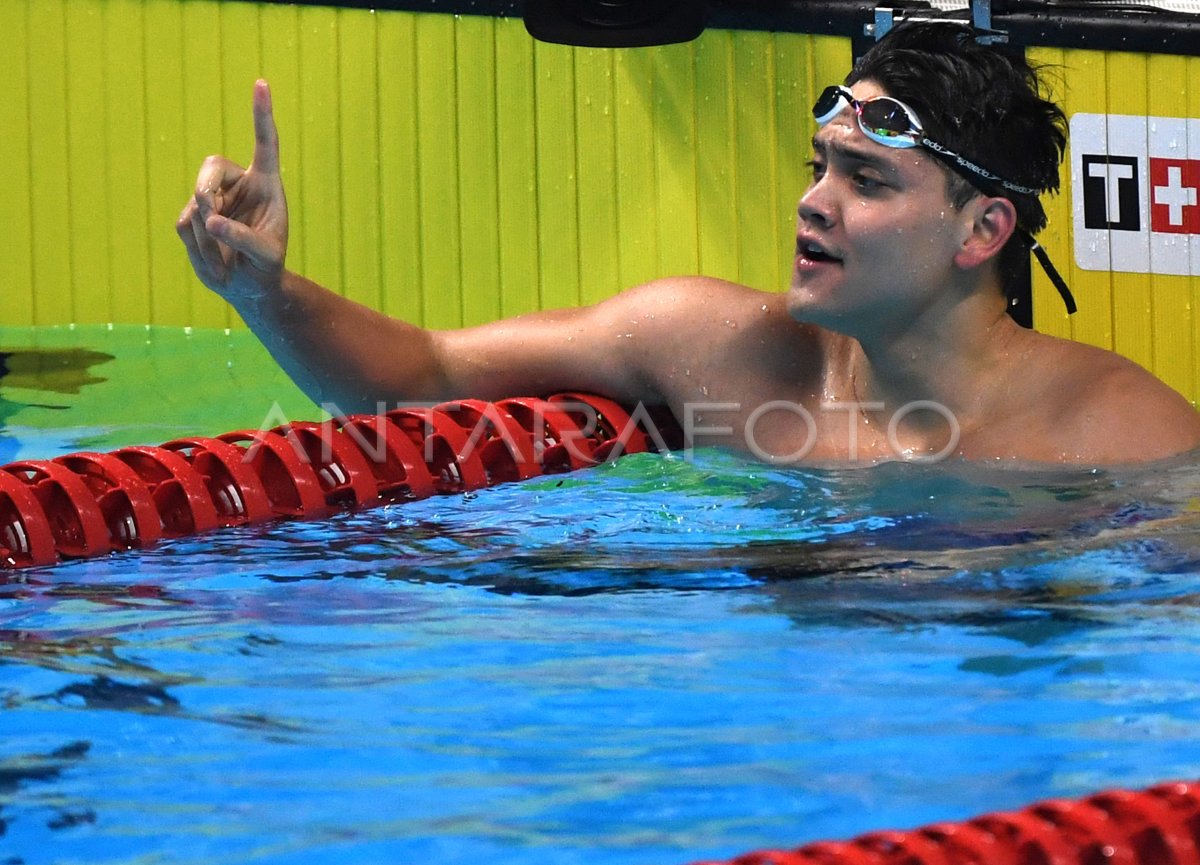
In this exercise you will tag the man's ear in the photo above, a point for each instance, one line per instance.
(994, 220)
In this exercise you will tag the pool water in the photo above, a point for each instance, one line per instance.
(655, 661)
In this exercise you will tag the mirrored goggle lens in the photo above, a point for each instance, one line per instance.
(887, 119)
(830, 102)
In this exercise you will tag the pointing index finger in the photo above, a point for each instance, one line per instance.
(266, 138)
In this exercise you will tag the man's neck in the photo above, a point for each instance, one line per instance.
(949, 358)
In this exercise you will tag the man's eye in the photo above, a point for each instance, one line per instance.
(867, 182)
(816, 168)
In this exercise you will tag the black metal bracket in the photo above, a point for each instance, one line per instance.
(887, 17)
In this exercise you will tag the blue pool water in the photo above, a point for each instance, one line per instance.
(655, 661)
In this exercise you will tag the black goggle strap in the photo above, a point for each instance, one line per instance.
(1052, 272)
(975, 173)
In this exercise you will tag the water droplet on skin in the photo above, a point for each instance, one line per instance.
(765, 308)
(704, 390)
(730, 323)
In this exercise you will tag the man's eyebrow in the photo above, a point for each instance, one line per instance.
(869, 156)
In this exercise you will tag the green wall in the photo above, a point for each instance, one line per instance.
(445, 169)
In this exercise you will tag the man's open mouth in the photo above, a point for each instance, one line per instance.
(816, 252)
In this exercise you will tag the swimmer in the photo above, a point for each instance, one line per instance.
(892, 342)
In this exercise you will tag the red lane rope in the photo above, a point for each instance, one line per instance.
(91, 504)
(1157, 826)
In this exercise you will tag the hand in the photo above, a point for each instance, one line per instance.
(235, 226)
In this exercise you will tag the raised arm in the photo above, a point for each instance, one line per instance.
(235, 230)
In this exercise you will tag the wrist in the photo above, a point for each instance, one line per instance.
(267, 295)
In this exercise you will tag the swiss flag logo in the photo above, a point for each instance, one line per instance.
(1135, 193)
(1175, 195)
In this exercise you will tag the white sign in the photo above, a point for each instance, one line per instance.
(1135, 193)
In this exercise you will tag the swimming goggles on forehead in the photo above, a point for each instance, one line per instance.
(890, 122)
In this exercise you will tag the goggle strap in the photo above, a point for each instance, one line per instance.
(1052, 272)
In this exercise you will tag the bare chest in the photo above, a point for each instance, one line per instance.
(798, 426)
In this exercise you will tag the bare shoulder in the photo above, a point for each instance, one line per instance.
(702, 298)
(696, 314)
(700, 336)
(688, 314)
(1112, 410)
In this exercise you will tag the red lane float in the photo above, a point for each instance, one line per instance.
(1158, 826)
(91, 504)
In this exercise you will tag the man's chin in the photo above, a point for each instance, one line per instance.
(809, 306)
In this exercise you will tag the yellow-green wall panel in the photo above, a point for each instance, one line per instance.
(516, 149)
(633, 82)
(88, 188)
(674, 119)
(437, 165)
(399, 197)
(558, 206)
(755, 159)
(16, 241)
(358, 214)
(124, 148)
(317, 214)
(168, 171)
(716, 195)
(479, 250)
(1048, 311)
(599, 226)
(50, 178)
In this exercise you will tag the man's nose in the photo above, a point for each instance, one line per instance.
(815, 207)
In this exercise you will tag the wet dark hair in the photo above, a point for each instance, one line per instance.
(982, 102)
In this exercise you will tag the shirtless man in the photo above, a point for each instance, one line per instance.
(892, 342)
